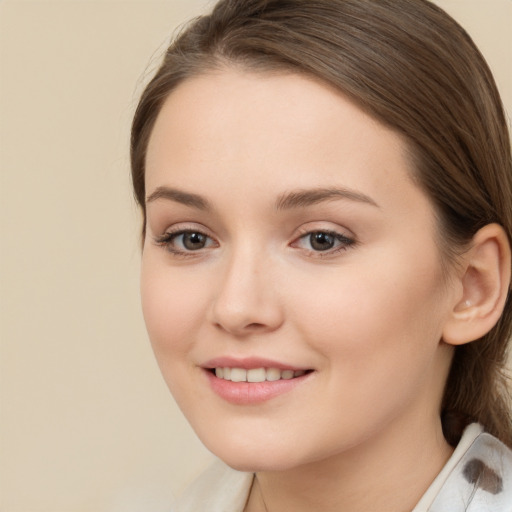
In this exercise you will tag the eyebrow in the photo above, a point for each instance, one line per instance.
(302, 198)
(288, 201)
(179, 196)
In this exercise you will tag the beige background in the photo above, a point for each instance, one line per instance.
(86, 423)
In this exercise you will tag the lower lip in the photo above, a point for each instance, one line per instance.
(247, 393)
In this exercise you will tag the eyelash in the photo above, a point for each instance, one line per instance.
(168, 238)
(345, 242)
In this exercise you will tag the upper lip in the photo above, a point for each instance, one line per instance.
(248, 363)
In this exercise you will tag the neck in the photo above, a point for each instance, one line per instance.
(389, 472)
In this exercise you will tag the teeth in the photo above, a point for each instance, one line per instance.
(256, 374)
(238, 375)
(273, 374)
(287, 374)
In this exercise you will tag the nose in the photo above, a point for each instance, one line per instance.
(246, 300)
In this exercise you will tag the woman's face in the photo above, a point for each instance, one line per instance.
(285, 238)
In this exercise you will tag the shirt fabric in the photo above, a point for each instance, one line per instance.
(476, 478)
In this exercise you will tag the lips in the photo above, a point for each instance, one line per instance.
(252, 380)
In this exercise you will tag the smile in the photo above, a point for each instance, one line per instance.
(253, 381)
(256, 374)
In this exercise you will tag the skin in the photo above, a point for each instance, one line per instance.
(367, 317)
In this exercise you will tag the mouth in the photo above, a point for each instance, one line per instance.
(255, 375)
(253, 381)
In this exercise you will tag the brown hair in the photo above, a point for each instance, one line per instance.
(411, 66)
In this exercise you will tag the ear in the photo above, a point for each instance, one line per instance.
(485, 283)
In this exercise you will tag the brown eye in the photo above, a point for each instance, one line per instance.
(193, 241)
(321, 241)
(328, 242)
(185, 242)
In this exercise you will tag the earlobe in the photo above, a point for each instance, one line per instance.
(485, 283)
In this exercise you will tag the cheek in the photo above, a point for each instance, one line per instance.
(378, 351)
(171, 315)
(383, 310)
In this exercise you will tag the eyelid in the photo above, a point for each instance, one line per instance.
(185, 227)
(324, 227)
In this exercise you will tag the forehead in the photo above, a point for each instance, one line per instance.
(229, 128)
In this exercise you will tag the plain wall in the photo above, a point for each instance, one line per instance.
(87, 424)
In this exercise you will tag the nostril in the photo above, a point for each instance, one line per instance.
(255, 326)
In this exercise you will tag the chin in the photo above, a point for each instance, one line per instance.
(251, 455)
(256, 463)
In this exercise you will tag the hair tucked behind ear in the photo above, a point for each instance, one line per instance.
(412, 67)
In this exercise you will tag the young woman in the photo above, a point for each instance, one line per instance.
(326, 188)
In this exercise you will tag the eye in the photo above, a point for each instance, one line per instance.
(323, 241)
(191, 241)
(185, 241)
